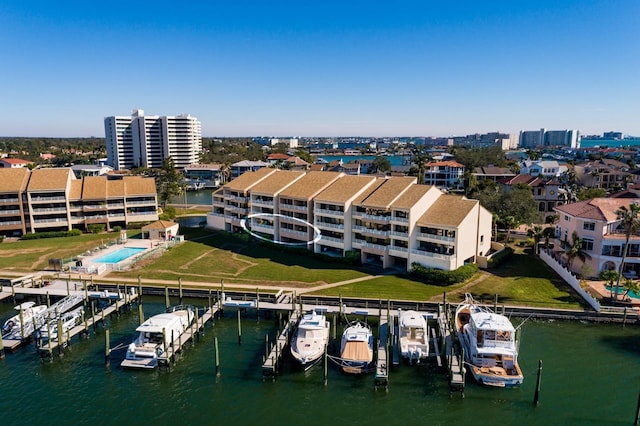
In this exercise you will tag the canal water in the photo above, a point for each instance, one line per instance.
(590, 376)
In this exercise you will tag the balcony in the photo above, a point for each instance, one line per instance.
(434, 237)
(376, 218)
(374, 246)
(404, 235)
(141, 203)
(370, 231)
(47, 199)
(10, 223)
(398, 251)
(334, 213)
(332, 240)
(262, 202)
(262, 227)
(294, 207)
(433, 255)
(398, 219)
(9, 212)
(294, 232)
(9, 200)
(330, 225)
(54, 220)
(50, 210)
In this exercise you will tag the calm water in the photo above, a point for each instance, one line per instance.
(591, 376)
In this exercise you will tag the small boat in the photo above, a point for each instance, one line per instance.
(69, 320)
(356, 348)
(489, 343)
(149, 343)
(414, 336)
(310, 339)
(28, 310)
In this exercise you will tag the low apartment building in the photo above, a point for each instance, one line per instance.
(391, 222)
(55, 200)
(444, 174)
(596, 223)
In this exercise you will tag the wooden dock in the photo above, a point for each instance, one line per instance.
(382, 359)
(449, 353)
(272, 362)
(46, 349)
(190, 335)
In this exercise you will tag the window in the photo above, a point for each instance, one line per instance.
(567, 218)
(589, 226)
(587, 244)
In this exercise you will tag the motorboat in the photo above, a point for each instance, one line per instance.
(356, 348)
(69, 320)
(413, 336)
(157, 334)
(26, 310)
(310, 339)
(489, 343)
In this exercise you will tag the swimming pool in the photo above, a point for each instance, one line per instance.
(119, 255)
(621, 291)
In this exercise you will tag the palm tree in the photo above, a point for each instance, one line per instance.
(609, 276)
(537, 234)
(630, 285)
(547, 234)
(420, 157)
(630, 222)
(510, 222)
(575, 249)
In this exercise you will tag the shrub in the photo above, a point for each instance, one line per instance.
(117, 229)
(96, 228)
(52, 234)
(500, 257)
(441, 277)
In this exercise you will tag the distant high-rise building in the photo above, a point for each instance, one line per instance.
(145, 141)
(544, 137)
(612, 135)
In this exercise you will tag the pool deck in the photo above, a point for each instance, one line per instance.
(600, 288)
(89, 260)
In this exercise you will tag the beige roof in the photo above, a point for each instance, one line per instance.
(312, 183)
(386, 193)
(75, 192)
(411, 196)
(160, 224)
(603, 209)
(247, 180)
(115, 188)
(448, 210)
(345, 188)
(276, 182)
(139, 185)
(13, 180)
(94, 187)
(50, 179)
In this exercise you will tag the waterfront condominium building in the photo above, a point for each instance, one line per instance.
(145, 141)
(55, 200)
(390, 221)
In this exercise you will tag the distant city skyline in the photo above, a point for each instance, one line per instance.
(411, 68)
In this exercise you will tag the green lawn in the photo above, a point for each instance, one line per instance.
(31, 255)
(208, 256)
(526, 280)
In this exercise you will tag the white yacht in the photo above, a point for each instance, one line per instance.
(413, 336)
(309, 341)
(69, 320)
(26, 310)
(149, 343)
(489, 343)
(356, 348)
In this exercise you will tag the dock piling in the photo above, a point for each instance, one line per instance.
(167, 302)
(141, 313)
(536, 396)
(107, 350)
(239, 329)
(215, 341)
(60, 338)
(326, 362)
(180, 289)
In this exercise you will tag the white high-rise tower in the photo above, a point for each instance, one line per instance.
(145, 141)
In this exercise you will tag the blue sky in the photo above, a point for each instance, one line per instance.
(326, 68)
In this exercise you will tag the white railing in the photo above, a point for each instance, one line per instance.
(366, 230)
(399, 219)
(7, 212)
(11, 223)
(38, 199)
(436, 237)
(396, 248)
(140, 203)
(399, 234)
(377, 218)
(330, 225)
(430, 254)
(294, 207)
(374, 246)
(294, 232)
(51, 210)
(570, 279)
(332, 239)
(9, 200)
(329, 212)
(57, 220)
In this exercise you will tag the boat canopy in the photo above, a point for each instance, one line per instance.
(157, 323)
(491, 321)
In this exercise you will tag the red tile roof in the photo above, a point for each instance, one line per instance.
(603, 209)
